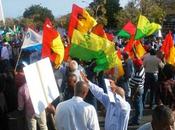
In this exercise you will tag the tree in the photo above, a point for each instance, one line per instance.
(152, 9)
(112, 9)
(38, 14)
(105, 11)
(63, 21)
(130, 12)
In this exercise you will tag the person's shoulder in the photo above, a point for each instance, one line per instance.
(64, 103)
(123, 103)
(87, 105)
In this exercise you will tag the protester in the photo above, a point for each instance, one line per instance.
(75, 114)
(69, 90)
(151, 64)
(128, 71)
(71, 68)
(5, 57)
(25, 104)
(117, 112)
(166, 90)
(162, 119)
(137, 85)
(3, 106)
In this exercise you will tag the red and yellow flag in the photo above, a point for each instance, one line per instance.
(52, 46)
(80, 20)
(134, 48)
(168, 49)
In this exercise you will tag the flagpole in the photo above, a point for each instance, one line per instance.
(18, 59)
(2, 13)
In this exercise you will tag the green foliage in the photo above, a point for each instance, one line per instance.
(37, 14)
(105, 11)
(130, 12)
(152, 9)
(112, 9)
(63, 21)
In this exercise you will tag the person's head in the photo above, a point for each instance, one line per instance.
(71, 81)
(162, 118)
(125, 56)
(152, 52)
(73, 65)
(115, 89)
(137, 63)
(20, 68)
(5, 43)
(168, 71)
(81, 89)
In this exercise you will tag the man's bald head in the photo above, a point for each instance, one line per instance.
(81, 89)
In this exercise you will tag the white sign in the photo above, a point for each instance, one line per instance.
(42, 85)
(109, 91)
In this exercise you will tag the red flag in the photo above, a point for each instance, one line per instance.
(129, 46)
(98, 30)
(119, 54)
(167, 45)
(52, 46)
(130, 28)
(134, 48)
(80, 20)
(110, 36)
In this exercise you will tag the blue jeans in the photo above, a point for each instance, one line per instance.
(138, 106)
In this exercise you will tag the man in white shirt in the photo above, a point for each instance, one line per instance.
(151, 64)
(5, 52)
(5, 56)
(75, 114)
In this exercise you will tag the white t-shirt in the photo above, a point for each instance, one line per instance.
(5, 53)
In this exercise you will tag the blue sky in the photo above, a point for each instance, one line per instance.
(15, 8)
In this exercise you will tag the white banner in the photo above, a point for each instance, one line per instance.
(42, 85)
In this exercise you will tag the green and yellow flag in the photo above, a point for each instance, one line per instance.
(145, 28)
(89, 47)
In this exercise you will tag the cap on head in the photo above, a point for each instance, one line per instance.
(138, 62)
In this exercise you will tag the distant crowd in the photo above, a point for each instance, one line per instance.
(147, 83)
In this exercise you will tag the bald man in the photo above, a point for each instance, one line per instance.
(117, 112)
(75, 114)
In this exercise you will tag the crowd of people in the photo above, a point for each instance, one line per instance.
(147, 83)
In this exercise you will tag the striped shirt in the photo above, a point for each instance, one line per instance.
(138, 79)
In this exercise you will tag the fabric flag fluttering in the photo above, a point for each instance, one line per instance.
(134, 48)
(168, 49)
(89, 47)
(1, 13)
(140, 51)
(80, 20)
(128, 30)
(98, 30)
(31, 39)
(52, 44)
(145, 28)
(120, 70)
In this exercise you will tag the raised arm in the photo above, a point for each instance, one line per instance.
(96, 91)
